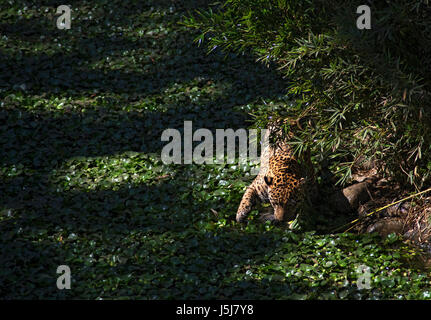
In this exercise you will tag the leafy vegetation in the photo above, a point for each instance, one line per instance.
(364, 93)
(82, 184)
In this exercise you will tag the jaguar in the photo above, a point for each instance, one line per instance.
(281, 180)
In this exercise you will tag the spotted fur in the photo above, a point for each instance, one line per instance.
(281, 182)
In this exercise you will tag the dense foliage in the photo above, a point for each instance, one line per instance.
(366, 93)
(82, 184)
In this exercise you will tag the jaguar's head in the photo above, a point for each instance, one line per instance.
(283, 183)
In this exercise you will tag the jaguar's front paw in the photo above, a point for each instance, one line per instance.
(272, 219)
(240, 217)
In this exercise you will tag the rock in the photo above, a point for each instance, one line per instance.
(412, 234)
(386, 226)
(401, 208)
(350, 198)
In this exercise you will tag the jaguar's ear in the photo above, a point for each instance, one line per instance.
(268, 180)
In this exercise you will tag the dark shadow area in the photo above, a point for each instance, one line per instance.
(44, 140)
(172, 262)
(164, 60)
(53, 73)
